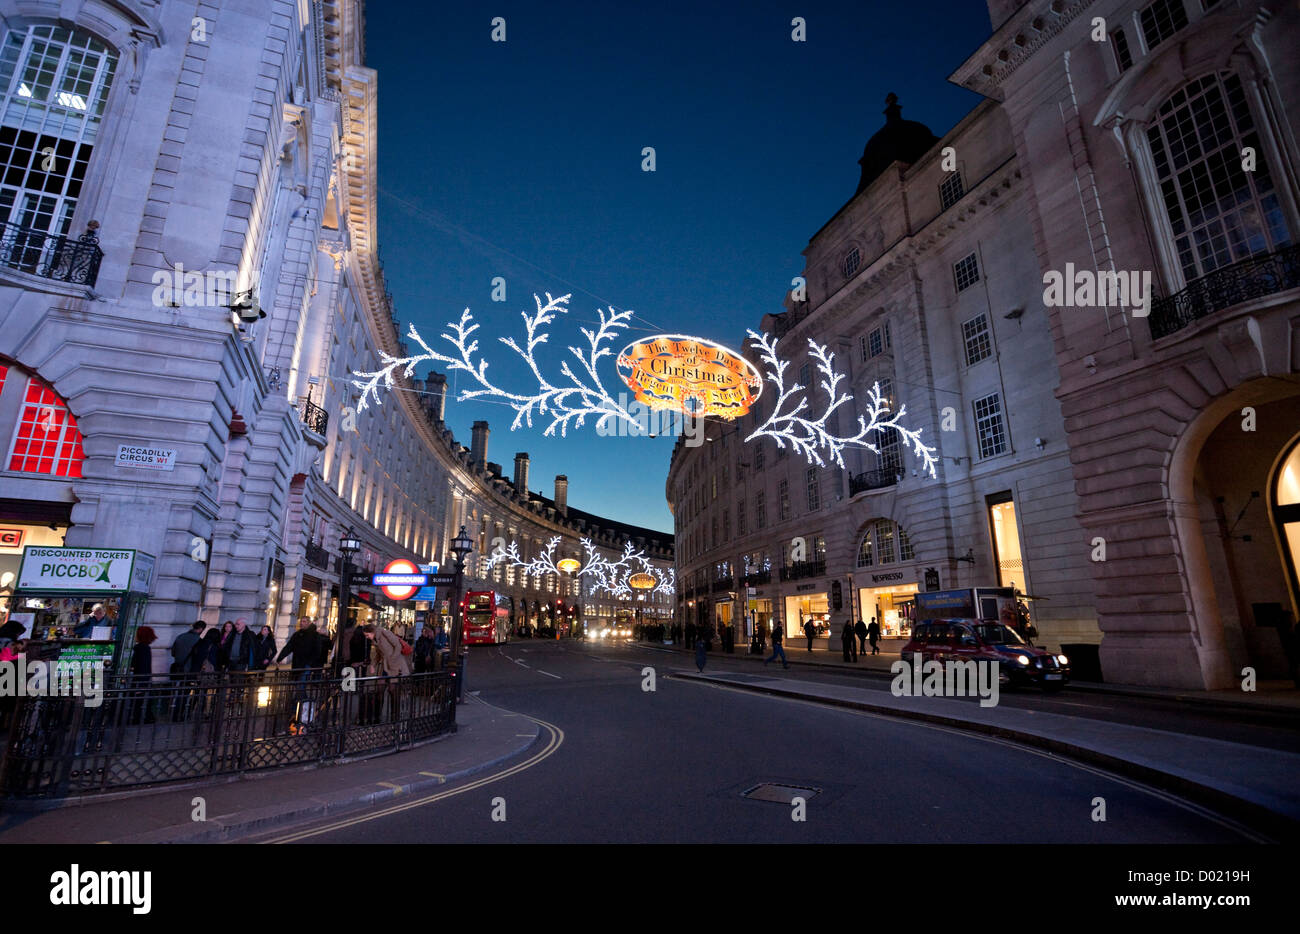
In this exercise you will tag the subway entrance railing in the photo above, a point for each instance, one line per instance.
(154, 732)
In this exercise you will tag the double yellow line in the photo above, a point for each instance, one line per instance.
(554, 741)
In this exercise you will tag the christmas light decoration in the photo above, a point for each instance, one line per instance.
(612, 577)
(582, 394)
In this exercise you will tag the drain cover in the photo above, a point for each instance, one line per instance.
(781, 794)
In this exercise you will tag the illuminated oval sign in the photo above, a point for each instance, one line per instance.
(568, 565)
(641, 581)
(689, 375)
(400, 566)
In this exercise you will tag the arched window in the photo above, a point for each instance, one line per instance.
(54, 83)
(1219, 213)
(45, 439)
(1286, 513)
(884, 542)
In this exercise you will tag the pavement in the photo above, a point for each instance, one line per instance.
(486, 736)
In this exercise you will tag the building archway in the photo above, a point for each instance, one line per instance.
(1229, 481)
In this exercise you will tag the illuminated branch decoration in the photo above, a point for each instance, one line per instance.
(564, 404)
(809, 436)
(607, 576)
(581, 394)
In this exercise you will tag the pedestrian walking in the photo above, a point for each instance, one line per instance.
(860, 630)
(142, 673)
(303, 646)
(849, 644)
(239, 650)
(701, 654)
(424, 651)
(208, 656)
(777, 648)
(184, 646)
(265, 648)
(810, 631)
(389, 659)
(873, 636)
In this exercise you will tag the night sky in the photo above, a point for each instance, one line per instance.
(523, 160)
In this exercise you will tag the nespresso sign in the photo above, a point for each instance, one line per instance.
(891, 576)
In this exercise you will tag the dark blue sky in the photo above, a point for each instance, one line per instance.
(522, 160)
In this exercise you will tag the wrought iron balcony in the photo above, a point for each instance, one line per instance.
(802, 569)
(318, 557)
(872, 480)
(758, 578)
(726, 583)
(315, 418)
(52, 256)
(1260, 275)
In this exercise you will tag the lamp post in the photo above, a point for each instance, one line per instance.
(348, 546)
(461, 545)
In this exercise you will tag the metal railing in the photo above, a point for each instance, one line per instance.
(758, 578)
(314, 417)
(318, 556)
(52, 256)
(145, 732)
(802, 569)
(724, 583)
(872, 480)
(1226, 286)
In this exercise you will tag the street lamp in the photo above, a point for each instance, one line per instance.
(461, 545)
(348, 546)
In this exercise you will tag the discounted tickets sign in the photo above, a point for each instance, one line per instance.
(84, 569)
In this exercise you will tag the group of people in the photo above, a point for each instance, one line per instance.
(856, 635)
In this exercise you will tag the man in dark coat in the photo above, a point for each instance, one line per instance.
(304, 646)
(183, 647)
(860, 630)
(848, 643)
(810, 631)
(873, 636)
(424, 651)
(239, 652)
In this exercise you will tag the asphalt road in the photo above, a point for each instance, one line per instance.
(621, 764)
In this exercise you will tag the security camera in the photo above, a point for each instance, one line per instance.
(246, 307)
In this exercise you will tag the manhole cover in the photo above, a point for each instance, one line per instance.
(781, 794)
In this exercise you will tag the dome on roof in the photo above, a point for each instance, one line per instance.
(898, 140)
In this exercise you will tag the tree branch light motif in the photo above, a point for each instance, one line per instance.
(581, 394)
(606, 576)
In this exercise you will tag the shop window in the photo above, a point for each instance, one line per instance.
(46, 439)
(1219, 214)
(1006, 540)
(1286, 513)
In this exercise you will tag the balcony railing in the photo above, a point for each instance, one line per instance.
(315, 418)
(872, 480)
(52, 256)
(1255, 277)
(318, 557)
(726, 583)
(758, 578)
(802, 569)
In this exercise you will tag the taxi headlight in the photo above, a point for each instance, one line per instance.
(1062, 659)
(1022, 659)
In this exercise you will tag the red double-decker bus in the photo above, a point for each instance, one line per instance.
(486, 618)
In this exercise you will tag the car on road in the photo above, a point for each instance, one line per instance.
(987, 640)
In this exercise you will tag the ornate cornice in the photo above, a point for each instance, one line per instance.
(1014, 43)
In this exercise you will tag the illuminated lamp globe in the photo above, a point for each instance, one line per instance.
(641, 581)
(568, 565)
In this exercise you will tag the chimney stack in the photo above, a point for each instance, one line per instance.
(436, 384)
(521, 472)
(562, 494)
(478, 443)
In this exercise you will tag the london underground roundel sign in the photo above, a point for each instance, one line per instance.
(689, 375)
(400, 566)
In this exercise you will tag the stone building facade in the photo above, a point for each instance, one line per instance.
(190, 264)
(925, 283)
(1161, 137)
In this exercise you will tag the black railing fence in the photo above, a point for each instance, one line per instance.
(314, 417)
(51, 256)
(1251, 278)
(142, 731)
(872, 480)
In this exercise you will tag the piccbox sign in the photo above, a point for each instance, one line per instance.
(85, 569)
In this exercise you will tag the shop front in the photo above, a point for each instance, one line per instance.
(723, 609)
(58, 589)
(889, 596)
(14, 537)
(812, 603)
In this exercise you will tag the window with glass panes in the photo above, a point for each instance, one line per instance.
(814, 493)
(891, 455)
(988, 425)
(1160, 20)
(46, 439)
(760, 510)
(977, 339)
(742, 521)
(54, 83)
(950, 191)
(1119, 42)
(852, 260)
(1219, 213)
(966, 272)
(783, 498)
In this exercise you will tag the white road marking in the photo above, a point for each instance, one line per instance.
(549, 675)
